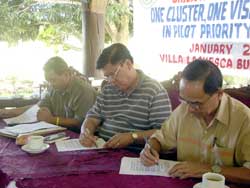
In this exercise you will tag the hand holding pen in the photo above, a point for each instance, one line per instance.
(149, 156)
(87, 139)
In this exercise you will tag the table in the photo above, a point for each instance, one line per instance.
(17, 102)
(78, 169)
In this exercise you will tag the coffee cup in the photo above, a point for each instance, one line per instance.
(35, 142)
(213, 180)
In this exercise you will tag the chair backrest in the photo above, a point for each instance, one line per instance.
(172, 87)
(79, 75)
(242, 94)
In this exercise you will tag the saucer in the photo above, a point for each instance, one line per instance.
(36, 151)
(198, 185)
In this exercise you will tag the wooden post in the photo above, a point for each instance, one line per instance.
(93, 35)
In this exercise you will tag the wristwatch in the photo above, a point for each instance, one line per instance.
(216, 169)
(134, 136)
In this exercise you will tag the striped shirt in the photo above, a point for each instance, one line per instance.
(145, 108)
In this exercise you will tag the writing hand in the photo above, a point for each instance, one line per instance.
(149, 156)
(87, 140)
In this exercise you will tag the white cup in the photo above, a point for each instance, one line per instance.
(35, 142)
(213, 180)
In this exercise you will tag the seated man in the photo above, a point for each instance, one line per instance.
(210, 129)
(130, 106)
(67, 100)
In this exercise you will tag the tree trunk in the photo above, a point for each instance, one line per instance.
(123, 32)
(119, 33)
(93, 35)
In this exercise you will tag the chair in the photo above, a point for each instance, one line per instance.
(242, 94)
(172, 87)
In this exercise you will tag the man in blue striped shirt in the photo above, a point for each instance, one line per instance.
(130, 107)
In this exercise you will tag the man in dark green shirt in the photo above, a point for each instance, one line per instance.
(67, 100)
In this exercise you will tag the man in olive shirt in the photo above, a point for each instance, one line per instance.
(68, 98)
(210, 130)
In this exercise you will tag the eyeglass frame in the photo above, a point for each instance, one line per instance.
(196, 104)
(112, 77)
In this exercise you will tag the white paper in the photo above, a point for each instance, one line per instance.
(74, 145)
(6, 132)
(133, 166)
(26, 128)
(28, 116)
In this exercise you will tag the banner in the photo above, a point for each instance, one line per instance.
(172, 33)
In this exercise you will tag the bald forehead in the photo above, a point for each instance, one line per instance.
(191, 89)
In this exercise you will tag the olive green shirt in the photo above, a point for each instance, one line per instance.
(74, 102)
(195, 141)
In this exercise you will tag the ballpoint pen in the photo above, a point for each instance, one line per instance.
(150, 148)
(88, 132)
(216, 152)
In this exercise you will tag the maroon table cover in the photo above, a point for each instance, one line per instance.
(88, 168)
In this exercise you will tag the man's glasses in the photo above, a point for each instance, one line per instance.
(112, 77)
(195, 104)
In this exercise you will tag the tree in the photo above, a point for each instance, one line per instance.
(118, 21)
(31, 20)
(54, 21)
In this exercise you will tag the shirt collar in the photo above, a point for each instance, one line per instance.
(223, 112)
(141, 78)
(68, 89)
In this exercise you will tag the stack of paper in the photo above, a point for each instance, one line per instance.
(39, 127)
(134, 166)
(29, 116)
(26, 128)
(74, 145)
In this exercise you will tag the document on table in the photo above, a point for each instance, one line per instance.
(74, 145)
(28, 116)
(27, 128)
(133, 166)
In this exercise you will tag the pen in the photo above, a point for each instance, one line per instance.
(88, 132)
(214, 141)
(150, 148)
(216, 153)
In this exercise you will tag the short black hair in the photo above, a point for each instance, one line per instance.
(206, 71)
(113, 54)
(57, 64)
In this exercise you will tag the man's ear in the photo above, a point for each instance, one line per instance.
(129, 64)
(220, 93)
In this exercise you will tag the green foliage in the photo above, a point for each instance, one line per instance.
(23, 20)
(30, 20)
(114, 15)
(235, 81)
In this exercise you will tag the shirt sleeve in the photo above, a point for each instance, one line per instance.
(83, 101)
(160, 109)
(167, 135)
(96, 110)
(243, 145)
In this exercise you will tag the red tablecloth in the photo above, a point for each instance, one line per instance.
(73, 169)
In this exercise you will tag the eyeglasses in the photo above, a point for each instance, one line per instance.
(195, 104)
(112, 77)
